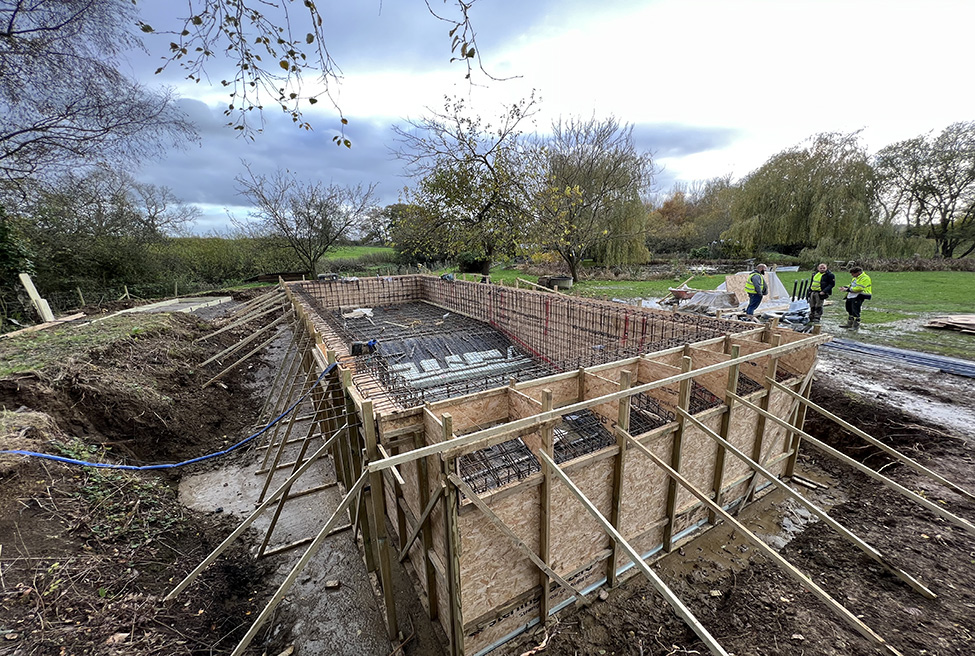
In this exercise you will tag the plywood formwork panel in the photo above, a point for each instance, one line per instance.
(598, 386)
(576, 538)
(521, 405)
(645, 487)
(493, 569)
(697, 464)
(744, 422)
(475, 411)
(715, 382)
(667, 395)
(565, 390)
(799, 362)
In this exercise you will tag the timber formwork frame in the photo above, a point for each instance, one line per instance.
(513, 502)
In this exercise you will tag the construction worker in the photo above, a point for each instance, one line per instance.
(756, 287)
(858, 291)
(820, 287)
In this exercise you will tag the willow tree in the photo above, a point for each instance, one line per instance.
(589, 200)
(824, 188)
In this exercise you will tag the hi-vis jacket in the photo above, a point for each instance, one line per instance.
(862, 285)
(756, 284)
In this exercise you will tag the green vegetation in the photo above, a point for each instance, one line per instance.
(34, 351)
(355, 252)
(902, 303)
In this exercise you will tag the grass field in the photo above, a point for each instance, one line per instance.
(350, 252)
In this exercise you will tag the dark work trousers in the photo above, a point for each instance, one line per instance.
(815, 307)
(853, 306)
(754, 300)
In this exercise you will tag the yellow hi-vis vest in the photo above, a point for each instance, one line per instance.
(750, 284)
(817, 282)
(862, 285)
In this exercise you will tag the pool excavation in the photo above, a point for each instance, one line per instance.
(518, 450)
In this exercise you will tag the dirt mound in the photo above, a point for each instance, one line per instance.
(89, 553)
(141, 395)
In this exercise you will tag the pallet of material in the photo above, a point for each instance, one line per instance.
(961, 322)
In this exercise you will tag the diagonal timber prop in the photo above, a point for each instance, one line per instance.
(771, 553)
(421, 520)
(893, 453)
(813, 508)
(185, 583)
(313, 548)
(822, 446)
(661, 587)
(462, 444)
(244, 342)
(518, 542)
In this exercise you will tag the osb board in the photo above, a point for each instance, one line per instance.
(521, 405)
(416, 550)
(518, 614)
(533, 441)
(389, 421)
(576, 537)
(697, 460)
(798, 362)
(650, 540)
(644, 495)
(735, 283)
(615, 372)
(715, 382)
(432, 428)
(742, 435)
(754, 369)
(475, 411)
(667, 395)
(688, 517)
(670, 359)
(411, 494)
(564, 392)
(493, 569)
(597, 386)
(781, 405)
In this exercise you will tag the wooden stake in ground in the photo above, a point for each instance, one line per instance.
(43, 309)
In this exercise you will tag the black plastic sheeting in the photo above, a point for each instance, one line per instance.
(903, 356)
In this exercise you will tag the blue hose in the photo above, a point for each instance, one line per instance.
(102, 465)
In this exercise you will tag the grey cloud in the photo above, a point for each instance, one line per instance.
(679, 140)
(205, 173)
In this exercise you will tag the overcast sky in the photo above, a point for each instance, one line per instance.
(713, 87)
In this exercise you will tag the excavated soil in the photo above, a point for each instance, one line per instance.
(88, 554)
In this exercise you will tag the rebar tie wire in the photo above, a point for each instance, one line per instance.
(102, 465)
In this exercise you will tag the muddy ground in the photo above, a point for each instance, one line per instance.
(88, 554)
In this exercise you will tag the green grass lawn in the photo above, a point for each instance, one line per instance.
(350, 252)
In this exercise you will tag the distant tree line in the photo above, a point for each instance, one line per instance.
(583, 192)
(828, 198)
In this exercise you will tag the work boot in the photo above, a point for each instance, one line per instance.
(849, 322)
(856, 324)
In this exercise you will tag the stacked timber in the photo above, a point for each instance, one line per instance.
(962, 322)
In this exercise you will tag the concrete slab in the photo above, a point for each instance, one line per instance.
(186, 304)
